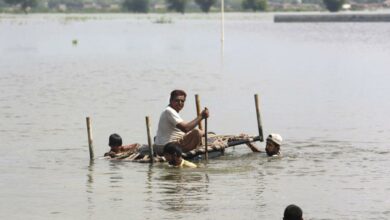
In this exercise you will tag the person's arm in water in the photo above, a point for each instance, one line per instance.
(132, 147)
(188, 126)
(120, 149)
(253, 147)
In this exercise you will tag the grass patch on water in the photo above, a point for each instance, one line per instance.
(163, 20)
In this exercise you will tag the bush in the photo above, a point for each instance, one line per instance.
(136, 5)
(333, 5)
(205, 5)
(177, 5)
(255, 5)
(24, 4)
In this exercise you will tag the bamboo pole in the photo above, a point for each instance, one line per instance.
(205, 140)
(149, 139)
(244, 141)
(222, 22)
(90, 142)
(260, 127)
(197, 102)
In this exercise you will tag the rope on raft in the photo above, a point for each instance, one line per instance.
(216, 143)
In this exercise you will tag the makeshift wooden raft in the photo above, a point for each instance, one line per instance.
(228, 140)
(218, 143)
(215, 143)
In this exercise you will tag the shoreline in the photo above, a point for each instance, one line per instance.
(276, 17)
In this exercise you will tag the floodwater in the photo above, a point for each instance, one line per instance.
(324, 87)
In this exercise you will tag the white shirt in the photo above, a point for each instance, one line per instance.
(167, 130)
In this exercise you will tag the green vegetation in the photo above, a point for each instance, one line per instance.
(255, 5)
(334, 5)
(182, 6)
(205, 5)
(24, 4)
(136, 5)
(163, 20)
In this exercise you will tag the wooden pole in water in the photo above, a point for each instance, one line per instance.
(197, 102)
(149, 139)
(260, 127)
(205, 139)
(222, 22)
(90, 142)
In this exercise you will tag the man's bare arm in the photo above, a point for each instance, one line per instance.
(188, 126)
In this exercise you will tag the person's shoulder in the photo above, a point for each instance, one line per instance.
(188, 164)
(169, 109)
(171, 112)
(132, 146)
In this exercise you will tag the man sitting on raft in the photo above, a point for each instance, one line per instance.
(172, 128)
(272, 147)
(172, 154)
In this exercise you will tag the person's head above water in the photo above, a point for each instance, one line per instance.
(172, 153)
(115, 140)
(273, 144)
(292, 212)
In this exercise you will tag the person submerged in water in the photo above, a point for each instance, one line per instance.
(272, 147)
(172, 153)
(116, 147)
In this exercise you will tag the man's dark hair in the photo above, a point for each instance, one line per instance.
(172, 148)
(115, 140)
(292, 212)
(175, 93)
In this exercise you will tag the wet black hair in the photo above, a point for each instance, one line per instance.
(115, 140)
(177, 92)
(292, 212)
(172, 148)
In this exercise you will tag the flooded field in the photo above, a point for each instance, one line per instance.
(323, 87)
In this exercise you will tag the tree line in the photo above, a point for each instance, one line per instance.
(143, 6)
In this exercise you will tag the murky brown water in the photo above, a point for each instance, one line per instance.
(323, 87)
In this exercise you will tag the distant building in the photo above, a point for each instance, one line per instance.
(62, 7)
(114, 6)
(159, 6)
(74, 5)
(346, 7)
(91, 5)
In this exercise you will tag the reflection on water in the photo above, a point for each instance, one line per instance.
(116, 177)
(90, 176)
(183, 191)
(90, 189)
